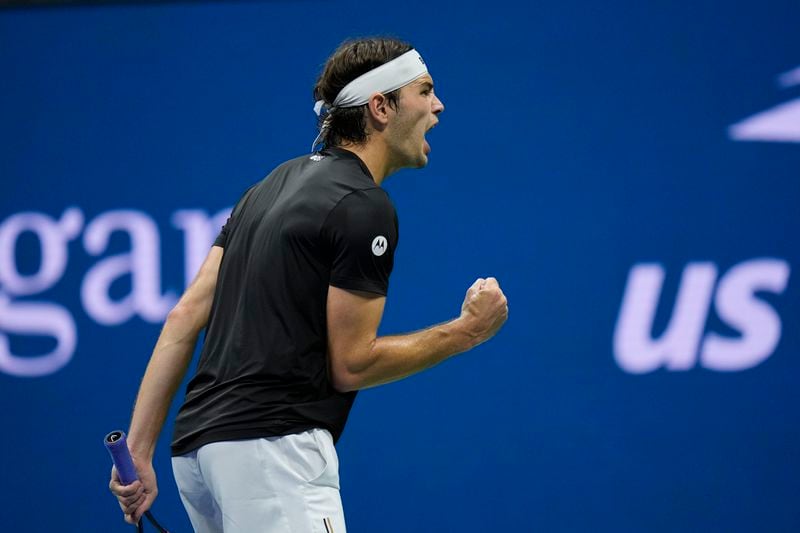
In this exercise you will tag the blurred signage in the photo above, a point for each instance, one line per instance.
(685, 342)
(23, 313)
(780, 123)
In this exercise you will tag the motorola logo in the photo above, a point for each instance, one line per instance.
(379, 245)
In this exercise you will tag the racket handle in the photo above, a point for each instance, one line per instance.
(117, 446)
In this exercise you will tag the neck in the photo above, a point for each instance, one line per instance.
(375, 155)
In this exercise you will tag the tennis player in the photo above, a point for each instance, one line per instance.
(291, 295)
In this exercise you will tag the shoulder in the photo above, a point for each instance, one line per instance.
(368, 202)
(293, 164)
(362, 214)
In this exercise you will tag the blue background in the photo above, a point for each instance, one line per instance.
(578, 140)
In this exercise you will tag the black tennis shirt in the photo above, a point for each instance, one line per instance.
(315, 221)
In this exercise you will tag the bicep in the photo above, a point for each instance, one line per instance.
(353, 318)
(361, 234)
(200, 293)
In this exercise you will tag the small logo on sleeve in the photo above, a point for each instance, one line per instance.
(379, 245)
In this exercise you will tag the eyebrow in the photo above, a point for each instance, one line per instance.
(426, 84)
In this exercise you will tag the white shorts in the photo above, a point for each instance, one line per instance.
(277, 484)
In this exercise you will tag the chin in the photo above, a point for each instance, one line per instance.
(416, 161)
(414, 158)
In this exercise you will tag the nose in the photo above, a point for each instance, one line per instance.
(437, 106)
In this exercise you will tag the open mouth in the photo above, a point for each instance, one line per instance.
(426, 146)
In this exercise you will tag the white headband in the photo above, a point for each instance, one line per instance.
(386, 78)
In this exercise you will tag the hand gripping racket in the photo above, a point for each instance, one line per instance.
(117, 446)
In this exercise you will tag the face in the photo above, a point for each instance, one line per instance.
(417, 112)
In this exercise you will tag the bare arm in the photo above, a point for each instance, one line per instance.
(171, 357)
(167, 366)
(360, 359)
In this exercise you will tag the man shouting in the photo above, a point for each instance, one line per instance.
(292, 294)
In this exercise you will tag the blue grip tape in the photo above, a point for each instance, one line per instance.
(117, 446)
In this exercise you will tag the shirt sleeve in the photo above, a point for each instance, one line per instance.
(222, 238)
(362, 233)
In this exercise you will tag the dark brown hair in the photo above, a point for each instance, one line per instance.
(349, 61)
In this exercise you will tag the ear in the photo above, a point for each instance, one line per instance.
(378, 111)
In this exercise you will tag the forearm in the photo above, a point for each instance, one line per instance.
(360, 359)
(171, 358)
(163, 376)
(394, 357)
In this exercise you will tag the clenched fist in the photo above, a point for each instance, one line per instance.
(485, 309)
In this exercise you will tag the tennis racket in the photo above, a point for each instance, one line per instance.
(117, 446)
